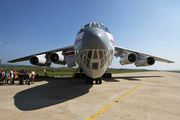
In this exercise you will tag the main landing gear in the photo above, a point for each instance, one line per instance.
(91, 80)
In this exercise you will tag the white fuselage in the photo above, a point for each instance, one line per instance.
(94, 48)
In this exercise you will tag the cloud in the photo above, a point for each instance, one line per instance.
(9, 45)
(1, 42)
(17, 46)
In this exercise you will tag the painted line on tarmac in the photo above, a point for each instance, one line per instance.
(104, 109)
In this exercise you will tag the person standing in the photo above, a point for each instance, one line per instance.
(18, 74)
(30, 77)
(6, 77)
(2, 75)
(26, 77)
(14, 75)
(11, 76)
(33, 76)
(22, 75)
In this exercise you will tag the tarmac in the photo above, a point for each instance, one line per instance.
(125, 96)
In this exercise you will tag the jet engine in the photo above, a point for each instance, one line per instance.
(40, 60)
(128, 58)
(57, 58)
(145, 61)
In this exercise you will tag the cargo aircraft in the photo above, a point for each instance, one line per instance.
(93, 51)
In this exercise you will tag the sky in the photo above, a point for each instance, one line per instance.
(32, 26)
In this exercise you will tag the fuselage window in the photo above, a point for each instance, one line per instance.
(95, 55)
(95, 66)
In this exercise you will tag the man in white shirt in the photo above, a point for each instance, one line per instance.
(33, 76)
(11, 77)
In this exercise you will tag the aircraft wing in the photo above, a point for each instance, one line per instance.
(120, 50)
(68, 48)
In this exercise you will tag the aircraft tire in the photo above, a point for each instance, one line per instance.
(100, 80)
(109, 75)
(97, 81)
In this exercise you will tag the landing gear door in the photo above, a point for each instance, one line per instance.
(70, 58)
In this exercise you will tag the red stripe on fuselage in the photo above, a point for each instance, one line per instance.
(77, 41)
(69, 53)
(112, 42)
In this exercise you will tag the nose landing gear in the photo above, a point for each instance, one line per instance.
(91, 80)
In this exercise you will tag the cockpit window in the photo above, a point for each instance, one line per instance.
(94, 25)
(103, 26)
(87, 25)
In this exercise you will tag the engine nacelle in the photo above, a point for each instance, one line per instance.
(40, 60)
(128, 58)
(145, 61)
(57, 58)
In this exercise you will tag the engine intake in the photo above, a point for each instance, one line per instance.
(128, 58)
(146, 61)
(40, 60)
(57, 58)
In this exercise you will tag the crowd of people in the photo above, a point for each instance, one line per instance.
(27, 77)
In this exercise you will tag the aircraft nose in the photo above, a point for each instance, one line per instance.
(95, 38)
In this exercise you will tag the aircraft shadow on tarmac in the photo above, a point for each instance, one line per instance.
(58, 91)
(54, 92)
(133, 78)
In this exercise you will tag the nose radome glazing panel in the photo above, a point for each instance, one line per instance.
(95, 38)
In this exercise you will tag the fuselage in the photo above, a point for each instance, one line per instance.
(94, 46)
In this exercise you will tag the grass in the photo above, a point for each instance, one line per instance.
(175, 71)
(63, 71)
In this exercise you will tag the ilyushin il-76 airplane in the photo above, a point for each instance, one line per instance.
(93, 51)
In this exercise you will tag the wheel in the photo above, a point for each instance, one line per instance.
(97, 81)
(109, 75)
(100, 80)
